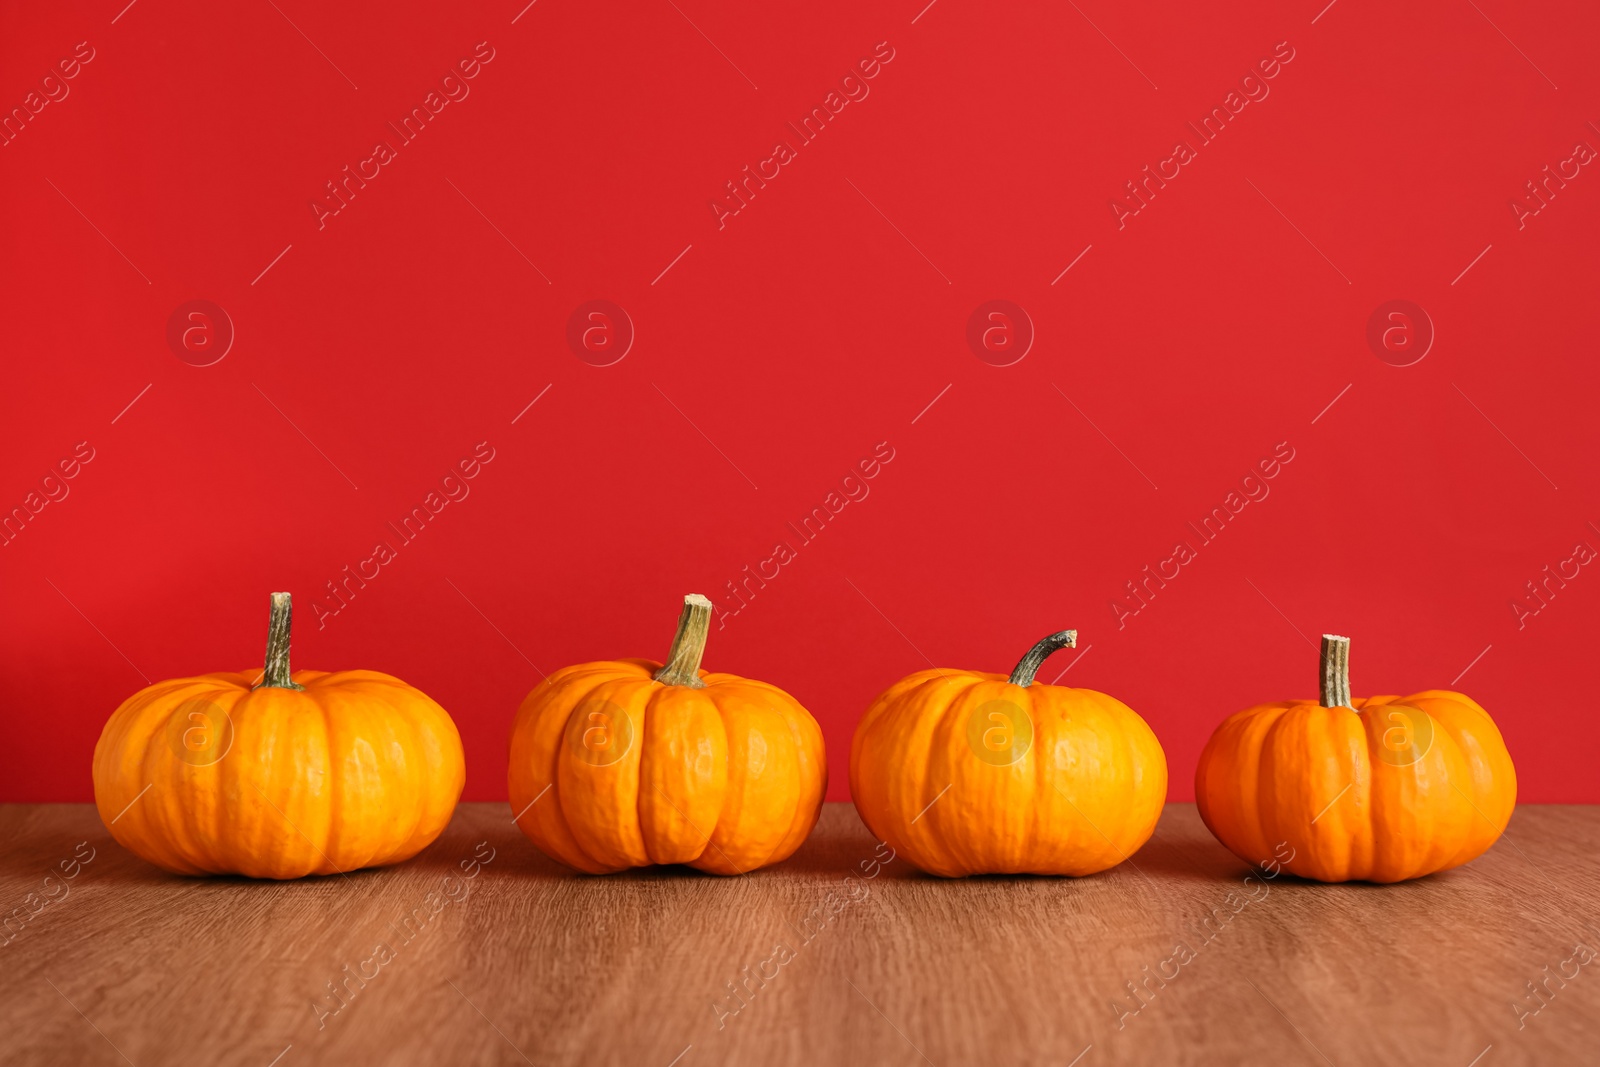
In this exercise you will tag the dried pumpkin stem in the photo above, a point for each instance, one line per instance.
(688, 644)
(1335, 671)
(276, 676)
(1029, 665)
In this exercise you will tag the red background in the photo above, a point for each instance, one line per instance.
(780, 349)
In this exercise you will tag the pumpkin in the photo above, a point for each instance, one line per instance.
(277, 775)
(1376, 789)
(627, 763)
(969, 773)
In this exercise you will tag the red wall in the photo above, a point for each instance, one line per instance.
(376, 346)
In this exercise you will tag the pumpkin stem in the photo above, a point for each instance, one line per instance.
(1335, 672)
(1029, 665)
(688, 644)
(276, 675)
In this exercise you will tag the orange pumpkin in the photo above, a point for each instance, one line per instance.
(969, 773)
(278, 775)
(627, 763)
(1375, 789)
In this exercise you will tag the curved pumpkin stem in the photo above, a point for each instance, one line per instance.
(276, 675)
(1029, 665)
(1335, 690)
(688, 644)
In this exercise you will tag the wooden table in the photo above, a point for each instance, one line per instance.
(524, 962)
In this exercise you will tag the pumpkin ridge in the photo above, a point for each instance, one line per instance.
(903, 690)
(520, 763)
(276, 826)
(791, 790)
(642, 739)
(1481, 742)
(784, 707)
(1084, 833)
(754, 710)
(1383, 845)
(308, 679)
(443, 724)
(1440, 858)
(957, 847)
(601, 683)
(1264, 813)
(1043, 760)
(173, 838)
(866, 739)
(723, 690)
(1130, 732)
(337, 803)
(392, 707)
(154, 820)
(1356, 810)
(536, 710)
(1098, 837)
(125, 728)
(637, 669)
(800, 822)
(219, 828)
(1440, 848)
(1387, 852)
(1228, 783)
(954, 848)
(152, 825)
(234, 836)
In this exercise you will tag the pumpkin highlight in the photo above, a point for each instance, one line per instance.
(965, 773)
(1376, 789)
(277, 775)
(629, 763)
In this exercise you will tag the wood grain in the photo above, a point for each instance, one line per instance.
(533, 964)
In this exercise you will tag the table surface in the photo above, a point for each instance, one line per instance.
(525, 962)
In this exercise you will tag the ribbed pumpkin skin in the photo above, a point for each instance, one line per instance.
(1083, 798)
(358, 769)
(1268, 773)
(725, 778)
